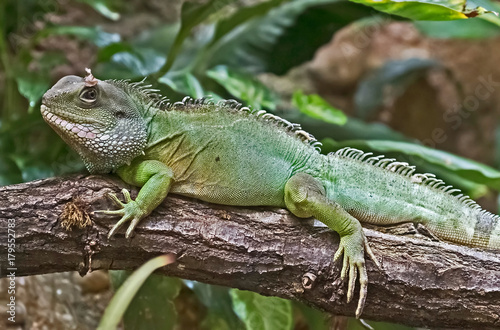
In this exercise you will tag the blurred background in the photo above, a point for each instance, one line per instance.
(392, 82)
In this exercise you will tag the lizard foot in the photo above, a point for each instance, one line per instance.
(129, 211)
(354, 263)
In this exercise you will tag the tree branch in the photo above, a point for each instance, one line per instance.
(423, 283)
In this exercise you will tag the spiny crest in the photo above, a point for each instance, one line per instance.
(150, 96)
(143, 92)
(408, 170)
(233, 105)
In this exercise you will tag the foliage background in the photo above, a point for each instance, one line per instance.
(384, 81)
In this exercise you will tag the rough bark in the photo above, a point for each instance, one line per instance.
(422, 283)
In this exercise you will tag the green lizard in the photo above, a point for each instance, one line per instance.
(225, 154)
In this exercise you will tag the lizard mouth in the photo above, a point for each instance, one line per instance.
(65, 125)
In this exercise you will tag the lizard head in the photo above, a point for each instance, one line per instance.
(97, 119)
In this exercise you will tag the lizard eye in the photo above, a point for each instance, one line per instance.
(88, 95)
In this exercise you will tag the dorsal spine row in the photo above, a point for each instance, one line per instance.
(407, 170)
(153, 99)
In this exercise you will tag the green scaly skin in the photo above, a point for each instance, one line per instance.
(226, 155)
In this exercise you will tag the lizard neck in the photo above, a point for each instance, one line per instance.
(118, 147)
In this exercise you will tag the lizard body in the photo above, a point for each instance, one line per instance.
(223, 154)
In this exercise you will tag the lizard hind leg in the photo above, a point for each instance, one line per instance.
(305, 196)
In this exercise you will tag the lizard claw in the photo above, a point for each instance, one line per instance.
(354, 263)
(129, 211)
(370, 253)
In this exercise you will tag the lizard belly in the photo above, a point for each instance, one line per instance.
(234, 181)
(231, 195)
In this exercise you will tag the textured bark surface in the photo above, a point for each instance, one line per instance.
(422, 283)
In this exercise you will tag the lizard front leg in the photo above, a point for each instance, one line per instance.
(306, 197)
(155, 178)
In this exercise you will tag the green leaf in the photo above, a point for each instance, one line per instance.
(220, 314)
(317, 25)
(124, 65)
(250, 43)
(106, 53)
(192, 14)
(316, 107)
(93, 34)
(158, 39)
(493, 16)
(244, 87)
(419, 155)
(32, 86)
(354, 129)
(425, 10)
(31, 170)
(102, 7)
(463, 29)
(393, 76)
(315, 319)
(142, 55)
(153, 305)
(241, 16)
(142, 311)
(184, 83)
(262, 313)
(486, 26)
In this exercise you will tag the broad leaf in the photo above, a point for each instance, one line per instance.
(242, 15)
(124, 65)
(262, 313)
(248, 44)
(313, 28)
(192, 14)
(425, 10)
(486, 26)
(244, 87)
(353, 129)
(184, 83)
(140, 56)
(31, 169)
(32, 86)
(464, 29)
(316, 107)
(93, 34)
(315, 319)
(152, 307)
(102, 7)
(216, 299)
